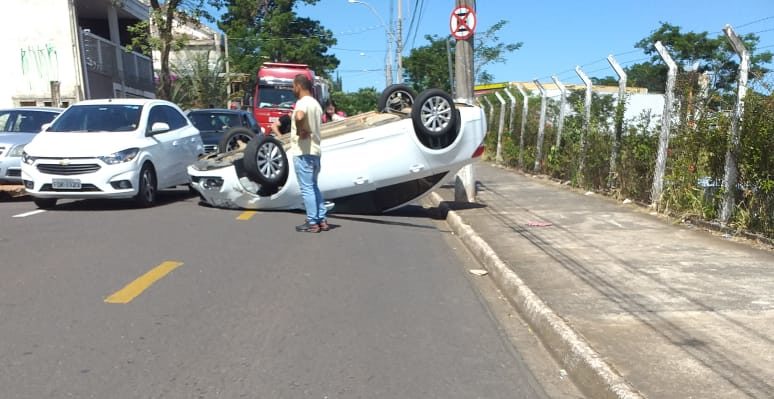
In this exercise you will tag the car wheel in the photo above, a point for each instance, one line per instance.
(396, 98)
(45, 203)
(232, 137)
(146, 194)
(265, 162)
(434, 114)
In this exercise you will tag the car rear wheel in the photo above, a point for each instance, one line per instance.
(265, 162)
(232, 137)
(45, 203)
(147, 190)
(396, 98)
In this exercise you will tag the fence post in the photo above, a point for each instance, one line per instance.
(586, 120)
(491, 112)
(619, 115)
(524, 112)
(541, 126)
(499, 154)
(562, 105)
(666, 120)
(732, 151)
(512, 114)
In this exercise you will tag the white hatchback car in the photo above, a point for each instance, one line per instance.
(111, 148)
(371, 163)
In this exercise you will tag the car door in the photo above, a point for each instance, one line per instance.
(164, 150)
(187, 144)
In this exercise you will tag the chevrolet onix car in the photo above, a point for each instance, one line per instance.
(17, 127)
(113, 148)
(372, 162)
(222, 129)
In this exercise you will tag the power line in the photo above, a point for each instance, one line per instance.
(755, 22)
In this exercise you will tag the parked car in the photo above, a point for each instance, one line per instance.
(222, 129)
(112, 148)
(372, 162)
(17, 127)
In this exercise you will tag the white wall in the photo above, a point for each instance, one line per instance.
(38, 47)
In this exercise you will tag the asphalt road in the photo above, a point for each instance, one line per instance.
(100, 300)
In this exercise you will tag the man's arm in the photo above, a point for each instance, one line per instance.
(302, 129)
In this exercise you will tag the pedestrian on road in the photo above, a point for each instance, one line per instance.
(305, 150)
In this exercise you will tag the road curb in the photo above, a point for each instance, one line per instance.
(593, 376)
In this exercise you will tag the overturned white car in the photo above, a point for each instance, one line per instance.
(372, 162)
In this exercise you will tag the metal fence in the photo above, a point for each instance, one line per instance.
(100, 56)
(696, 161)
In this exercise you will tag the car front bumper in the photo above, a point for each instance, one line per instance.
(100, 183)
(223, 188)
(10, 170)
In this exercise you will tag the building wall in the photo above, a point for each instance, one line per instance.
(39, 48)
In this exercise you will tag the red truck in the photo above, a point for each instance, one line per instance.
(273, 96)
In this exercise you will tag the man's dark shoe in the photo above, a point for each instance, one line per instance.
(324, 226)
(308, 228)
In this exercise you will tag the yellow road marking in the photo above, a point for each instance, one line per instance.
(136, 287)
(246, 215)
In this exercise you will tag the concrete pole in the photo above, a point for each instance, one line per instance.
(465, 181)
(619, 114)
(562, 105)
(541, 126)
(56, 98)
(732, 152)
(499, 155)
(512, 114)
(399, 43)
(451, 73)
(666, 120)
(586, 122)
(524, 112)
(116, 40)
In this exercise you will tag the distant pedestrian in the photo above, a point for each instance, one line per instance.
(305, 150)
(332, 113)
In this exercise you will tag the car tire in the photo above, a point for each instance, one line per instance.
(395, 98)
(147, 187)
(45, 203)
(265, 162)
(434, 114)
(231, 137)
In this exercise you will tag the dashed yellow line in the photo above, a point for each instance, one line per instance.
(136, 287)
(246, 215)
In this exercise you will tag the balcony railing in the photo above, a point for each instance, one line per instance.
(100, 57)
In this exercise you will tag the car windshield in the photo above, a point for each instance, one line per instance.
(26, 121)
(275, 97)
(214, 121)
(98, 118)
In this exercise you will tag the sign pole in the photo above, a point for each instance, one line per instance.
(462, 25)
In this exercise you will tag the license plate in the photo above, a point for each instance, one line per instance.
(66, 184)
(273, 119)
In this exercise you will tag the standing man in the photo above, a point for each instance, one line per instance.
(305, 150)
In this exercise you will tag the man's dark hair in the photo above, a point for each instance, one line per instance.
(303, 81)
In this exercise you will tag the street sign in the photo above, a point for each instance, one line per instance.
(462, 23)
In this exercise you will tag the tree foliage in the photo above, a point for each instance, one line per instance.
(270, 30)
(363, 100)
(427, 66)
(199, 83)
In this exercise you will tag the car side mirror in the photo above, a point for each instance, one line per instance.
(159, 127)
(45, 127)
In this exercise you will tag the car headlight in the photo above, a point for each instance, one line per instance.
(120, 156)
(16, 151)
(26, 158)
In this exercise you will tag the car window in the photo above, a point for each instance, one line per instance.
(275, 97)
(214, 121)
(98, 118)
(253, 123)
(176, 120)
(29, 121)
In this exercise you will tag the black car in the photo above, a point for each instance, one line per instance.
(222, 129)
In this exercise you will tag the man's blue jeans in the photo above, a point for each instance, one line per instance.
(307, 170)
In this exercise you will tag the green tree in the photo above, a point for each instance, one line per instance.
(272, 31)
(200, 83)
(157, 34)
(363, 100)
(427, 66)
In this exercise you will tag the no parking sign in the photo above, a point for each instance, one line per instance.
(462, 23)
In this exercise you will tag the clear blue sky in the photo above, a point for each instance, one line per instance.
(557, 36)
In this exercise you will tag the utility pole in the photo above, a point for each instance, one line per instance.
(465, 181)
(399, 43)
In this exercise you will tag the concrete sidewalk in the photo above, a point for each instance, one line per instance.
(630, 304)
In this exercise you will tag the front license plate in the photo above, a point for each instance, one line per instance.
(273, 119)
(66, 184)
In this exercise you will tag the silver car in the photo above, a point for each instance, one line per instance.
(17, 127)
